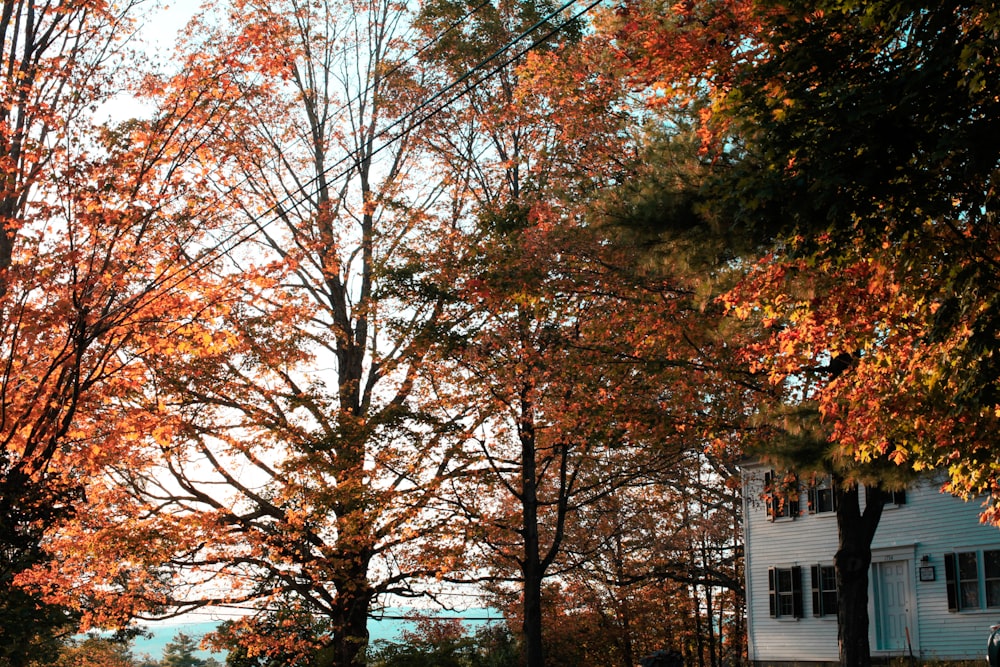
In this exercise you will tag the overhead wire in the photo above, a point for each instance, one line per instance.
(469, 87)
(389, 73)
(257, 224)
(192, 264)
(412, 120)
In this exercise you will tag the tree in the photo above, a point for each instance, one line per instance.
(241, 650)
(887, 218)
(50, 71)
(507, 152)
(833, 165)
(581, 393)
(92, 250)
(543, 438)
(908, 207)
(180, 652)
(445, 642)
(92, 651)
(433, 642)
(299, 445)
(662, 571)
(551, 351)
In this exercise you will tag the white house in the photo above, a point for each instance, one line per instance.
(934, 583)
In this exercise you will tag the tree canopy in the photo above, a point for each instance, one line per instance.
(380, 300)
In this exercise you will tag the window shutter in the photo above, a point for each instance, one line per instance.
(793, 505)
(813, 499)
(951, 577)
(815, 577)
(769, 496)
(772, 592)
(797, 591)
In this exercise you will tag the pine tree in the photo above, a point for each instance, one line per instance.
(181, 653)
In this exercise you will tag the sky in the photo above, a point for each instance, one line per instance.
(164, 23)
(160, 24)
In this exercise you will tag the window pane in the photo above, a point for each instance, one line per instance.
(970, 594)
(787, 608)
(993, 593)
(830, 603)
(991, 560)
(967, 569)
(824, 500)
(829, 579)
(785, 581)
(991, 563)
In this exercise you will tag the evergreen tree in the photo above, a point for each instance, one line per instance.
(181, 653)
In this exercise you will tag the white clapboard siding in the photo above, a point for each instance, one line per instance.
(936, 523)
(928, 524)
(806, 540)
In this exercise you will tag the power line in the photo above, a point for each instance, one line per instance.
(250, 611)
(256, 222)
(389, 73)
(191, 266)
(353, 155)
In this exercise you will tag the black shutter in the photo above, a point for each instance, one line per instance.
(951, 577)
(793, 505)
(772, 592)
(797, 591)
(816, 577)
(813, 499)
(769, 496)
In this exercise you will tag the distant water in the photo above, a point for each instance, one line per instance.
(379, 628)
(164, 633)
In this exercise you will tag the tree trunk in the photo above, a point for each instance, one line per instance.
(709, 610)
(531, 566)
(628, 653)
(699, 639)
(350, 617)
(532, 627)
(856, 530)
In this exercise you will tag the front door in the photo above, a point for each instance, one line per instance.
(893, 622)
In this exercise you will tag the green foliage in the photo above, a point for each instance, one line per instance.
(869, 133)
(444, 644)
(305, 644)
(92, 650)
(667, 207)
(29, 627)
(871, 115)
(870, 126)
(181, 653)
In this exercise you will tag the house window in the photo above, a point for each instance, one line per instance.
(968, 580)
(824, 590)
(969, 585)
(782, 495)
(891, 497)
(991, 568)
(821, 496)
(896, 497)
(785, 592)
